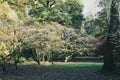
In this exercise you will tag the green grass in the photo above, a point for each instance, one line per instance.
(74, 66)
(65, 71)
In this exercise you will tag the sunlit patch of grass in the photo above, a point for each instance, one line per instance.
(74, 66)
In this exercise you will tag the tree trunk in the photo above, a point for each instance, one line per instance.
(110, 43)
(47, 2)
(3, 66)
(43, 58)
(38, 60)
(108, 57)
(16, 60)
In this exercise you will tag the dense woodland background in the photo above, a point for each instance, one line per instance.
(56, 30)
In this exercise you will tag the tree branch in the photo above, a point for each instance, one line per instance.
(52, 4)
(42, 3)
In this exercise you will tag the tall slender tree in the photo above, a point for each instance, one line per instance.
(112, 38)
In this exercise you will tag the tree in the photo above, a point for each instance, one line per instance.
(8, 50)
(4, 52)
(112, 38)
(7, 13)
(71, 13)
(68, 12)
(14, 8)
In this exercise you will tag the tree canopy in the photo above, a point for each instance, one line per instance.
(68, 12)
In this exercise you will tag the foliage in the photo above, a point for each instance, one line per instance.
(111, 10)
(5, 55)
(4, 52)
(9, 46)
(53, 42)
(66, 13)
(97, 27)
(18, 8)
(7, 12)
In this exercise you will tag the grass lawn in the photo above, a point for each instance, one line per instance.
(58, 71)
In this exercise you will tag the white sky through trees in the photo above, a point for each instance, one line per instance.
(90, 7)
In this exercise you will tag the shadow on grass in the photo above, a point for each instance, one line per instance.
(58, 71)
